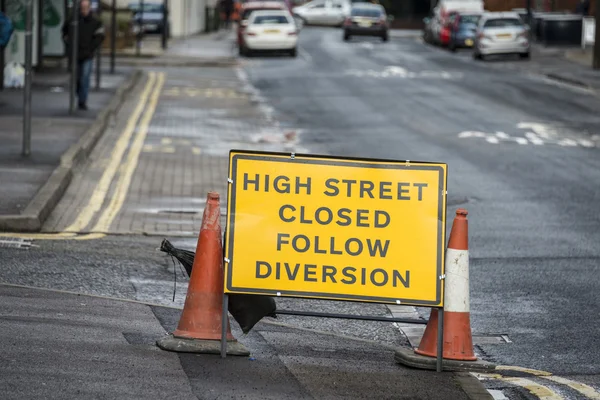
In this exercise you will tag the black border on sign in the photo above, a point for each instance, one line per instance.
(337, 161)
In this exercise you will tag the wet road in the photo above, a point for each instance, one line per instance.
(523, 159)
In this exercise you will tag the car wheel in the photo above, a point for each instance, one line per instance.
(385, 37)
(242, 50)
(294, 52)
(346, 37)
(452, 47)
(525, 56)
(476, 56)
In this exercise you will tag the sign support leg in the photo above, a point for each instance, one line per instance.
(224, 326)
(440, 340)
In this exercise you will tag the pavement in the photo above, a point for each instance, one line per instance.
(522, 151)
(59, 140)
(216, 48)
(74, 346)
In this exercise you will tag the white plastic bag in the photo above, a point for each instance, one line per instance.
(14, 75)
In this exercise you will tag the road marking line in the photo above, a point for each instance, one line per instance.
(497, 394)
(540, 391)
(53, 236)
(130, 165)
(535, 372)
(304, 54)
(582, 388)
(167, 149)
(97, 199)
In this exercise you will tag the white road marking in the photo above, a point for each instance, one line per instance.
(497, 394)
(568, 143)
(305, 55)
(467, 134)
(492, 140)
(394, 71)
(586, 143)
(533, 138)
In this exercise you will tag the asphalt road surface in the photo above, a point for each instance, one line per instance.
(523, 159)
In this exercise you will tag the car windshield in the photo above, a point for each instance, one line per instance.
(366, 12)
(503, 23)
(469, 19)
(270, 19)
(246, 13)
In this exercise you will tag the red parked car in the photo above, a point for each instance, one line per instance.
(446, 28)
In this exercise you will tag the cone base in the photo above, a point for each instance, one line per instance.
(445, 357)
(183, 334)
(407, 357)
(202, 346)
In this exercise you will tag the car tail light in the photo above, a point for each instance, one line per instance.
(293, 33)
(251, 33)
(347, 21)
(523, 34)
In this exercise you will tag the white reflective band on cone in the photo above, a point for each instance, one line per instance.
(457, 281)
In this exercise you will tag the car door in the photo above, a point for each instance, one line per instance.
(336, 12)
(315, 12)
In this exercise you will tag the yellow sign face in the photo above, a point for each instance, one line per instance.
(330, 228)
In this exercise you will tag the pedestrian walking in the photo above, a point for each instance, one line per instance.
(227, 10)
(91, 36)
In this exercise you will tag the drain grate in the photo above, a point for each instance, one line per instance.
(15, 243)
(491, 339)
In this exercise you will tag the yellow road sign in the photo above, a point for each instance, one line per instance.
(332, 228)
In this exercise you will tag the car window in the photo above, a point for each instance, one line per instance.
(469, 19)
(320, 5)
(366, 12)
(270, 19)
(337, 5)
(246, 13)
(502, 23)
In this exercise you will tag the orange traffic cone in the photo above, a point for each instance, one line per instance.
(458, 342)
(199, 328)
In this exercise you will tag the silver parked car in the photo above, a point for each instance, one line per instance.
(501, 33)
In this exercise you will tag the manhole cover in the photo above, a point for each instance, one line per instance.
(15, 243)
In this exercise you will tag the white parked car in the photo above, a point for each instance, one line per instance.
(270, 30)
(324, 12)
(501, 33)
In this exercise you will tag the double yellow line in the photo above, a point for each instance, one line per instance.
(539, 390)
(143, 112)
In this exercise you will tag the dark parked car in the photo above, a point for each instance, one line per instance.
(463, 28)
(151, 17)
(366, 20)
